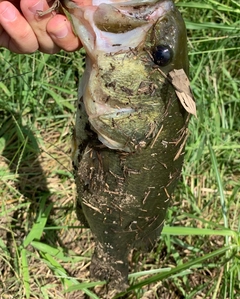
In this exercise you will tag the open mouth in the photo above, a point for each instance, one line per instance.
(112, 26)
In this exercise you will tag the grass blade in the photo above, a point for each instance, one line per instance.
(38, 226)
(25, 273)
(180, 268)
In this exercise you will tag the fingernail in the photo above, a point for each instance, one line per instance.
(61, 32)
(9, 14)
(36, 7)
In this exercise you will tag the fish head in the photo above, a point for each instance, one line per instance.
(127, 42)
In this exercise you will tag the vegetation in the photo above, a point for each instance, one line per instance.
(45, 253)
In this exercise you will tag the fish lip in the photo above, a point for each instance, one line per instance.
(113, 144)
(151, 11)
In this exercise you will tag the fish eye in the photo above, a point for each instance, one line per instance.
(162, 55)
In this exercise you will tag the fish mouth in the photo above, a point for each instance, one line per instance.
(112, 26)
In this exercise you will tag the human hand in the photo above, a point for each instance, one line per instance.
(23, 31)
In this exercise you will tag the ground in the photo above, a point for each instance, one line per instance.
(44, 250)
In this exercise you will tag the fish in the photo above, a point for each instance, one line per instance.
(130, 129)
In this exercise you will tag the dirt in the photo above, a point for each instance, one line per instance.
(47, 172)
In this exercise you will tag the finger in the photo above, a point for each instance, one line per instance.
(15, 33)
(30, 9)
(59, 28)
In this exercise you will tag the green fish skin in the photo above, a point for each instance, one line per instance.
(130, 126)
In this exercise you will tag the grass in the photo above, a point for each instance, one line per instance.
(45, 253)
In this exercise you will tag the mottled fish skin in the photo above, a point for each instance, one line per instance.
(130, 126)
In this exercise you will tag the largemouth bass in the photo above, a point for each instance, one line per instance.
(130, 126)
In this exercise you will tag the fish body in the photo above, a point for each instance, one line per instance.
(130, 126)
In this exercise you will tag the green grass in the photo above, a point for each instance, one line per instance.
(44, 253)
